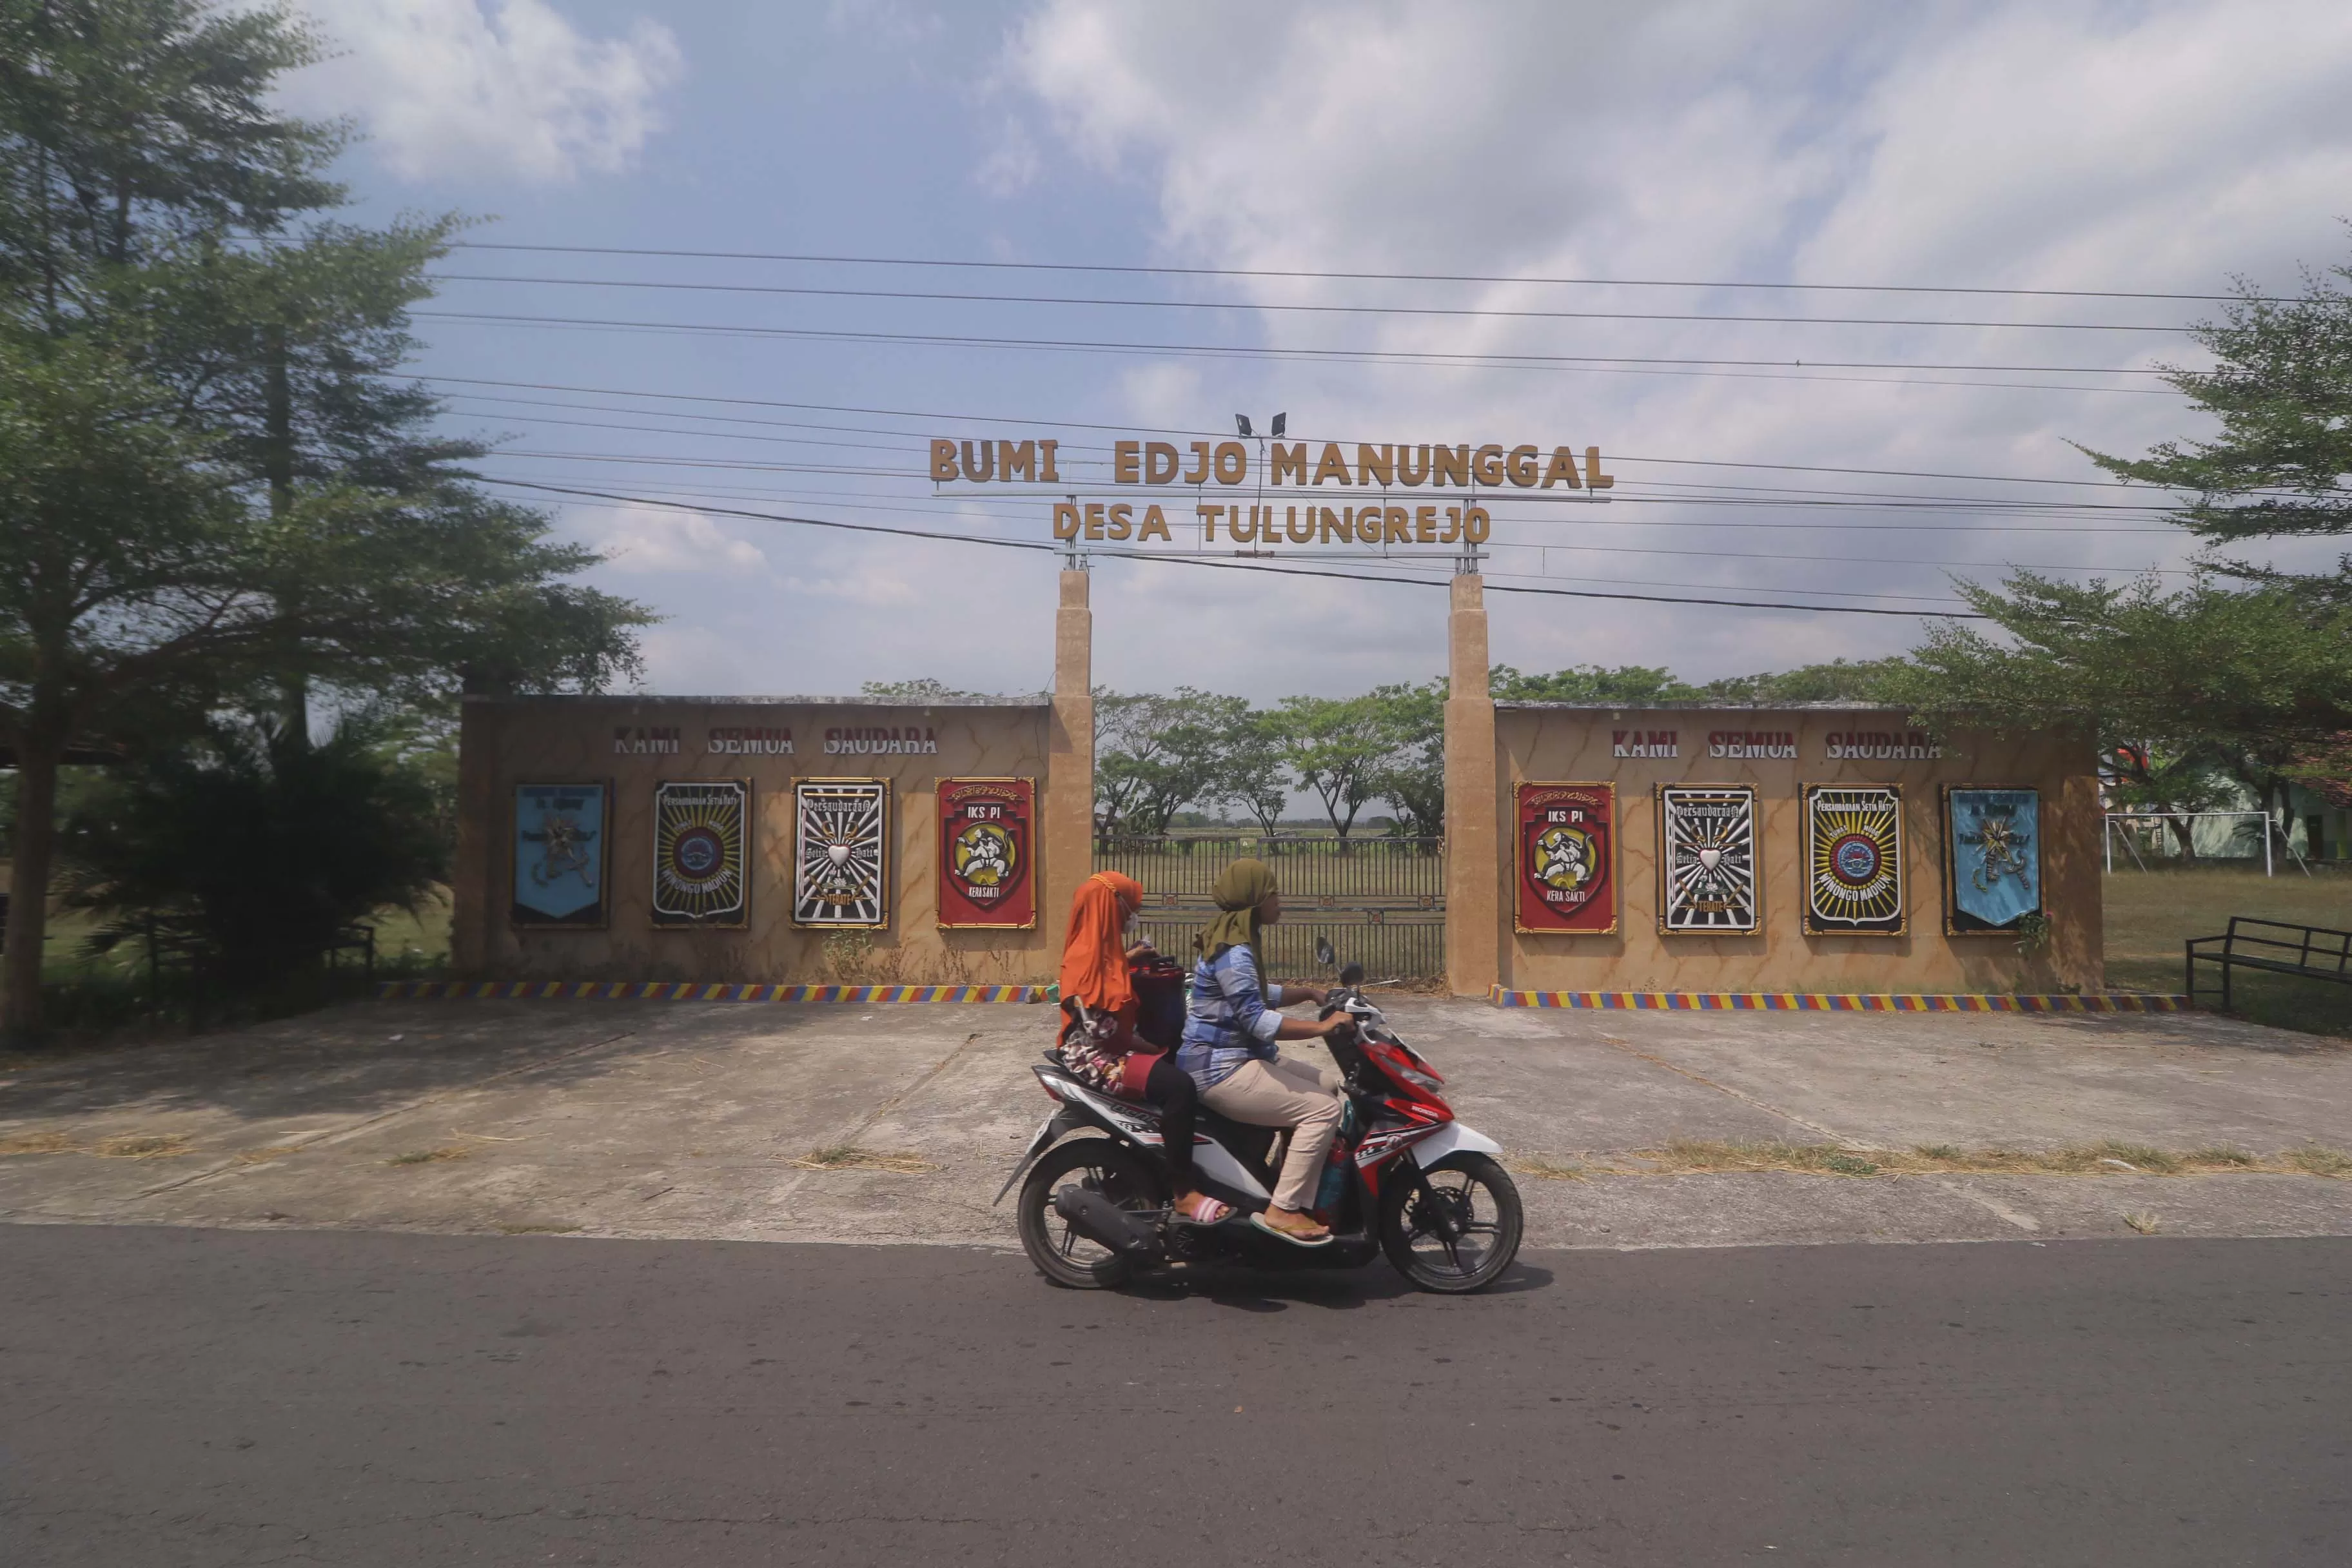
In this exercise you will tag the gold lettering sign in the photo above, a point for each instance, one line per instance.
(1380, 467)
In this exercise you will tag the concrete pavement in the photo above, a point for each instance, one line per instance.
(184, 1398)
(670, 1120)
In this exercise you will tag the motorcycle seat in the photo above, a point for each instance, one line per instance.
(1055, 1070)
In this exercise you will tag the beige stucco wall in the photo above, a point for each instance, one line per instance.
(561, 740)
(1543, 744)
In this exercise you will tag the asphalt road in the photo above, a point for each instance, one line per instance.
(176, 1396)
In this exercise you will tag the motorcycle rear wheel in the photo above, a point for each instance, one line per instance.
(1110, 1168)
(1482, 1199)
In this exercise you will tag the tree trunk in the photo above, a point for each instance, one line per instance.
(278, 454)
(28, 888)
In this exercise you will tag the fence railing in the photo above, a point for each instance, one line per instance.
(1404, 872)
(1380, 902)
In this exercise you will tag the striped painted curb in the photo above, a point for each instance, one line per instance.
(691, 991)
(1830, 1002)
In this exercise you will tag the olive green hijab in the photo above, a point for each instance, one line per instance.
(1241, 888)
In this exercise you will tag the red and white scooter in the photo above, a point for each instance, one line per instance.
(1404, 1178)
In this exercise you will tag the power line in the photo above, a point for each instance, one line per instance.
(1619, 364)
(1297, 552)
(1236, 565)
(799, 291)
(1363, 276)
(853, 496)
(1781, 493)
(1988, 505)
(1179, 430)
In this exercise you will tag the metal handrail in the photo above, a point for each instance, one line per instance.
(2306, 950)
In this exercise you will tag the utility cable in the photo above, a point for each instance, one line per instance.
(1359, 276)
(1036, 545)
(811, 291)
(1031, 422)
(1732, 369)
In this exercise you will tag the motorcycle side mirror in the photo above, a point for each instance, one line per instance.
(1352, 975)
(1323, 953)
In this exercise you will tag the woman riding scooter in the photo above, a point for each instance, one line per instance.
(1102, 1049)
(1229, 1048)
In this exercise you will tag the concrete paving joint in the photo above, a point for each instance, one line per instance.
(1840, 1002)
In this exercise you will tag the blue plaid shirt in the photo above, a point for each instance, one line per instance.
(1232, 1018)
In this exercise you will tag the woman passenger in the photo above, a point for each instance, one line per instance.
(1105, 1052)
(1229, 1048)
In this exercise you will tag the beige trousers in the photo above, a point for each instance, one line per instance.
(1284, 1093)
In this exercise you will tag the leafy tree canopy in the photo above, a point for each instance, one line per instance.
(215, 493)
(1634, 686)
(2281, 388)
(247, 852)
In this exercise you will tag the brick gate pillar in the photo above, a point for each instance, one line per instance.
(473, 903)
(1067, 833)
(1473, 865)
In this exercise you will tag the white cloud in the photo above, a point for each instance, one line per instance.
(471, 88)
(2158, 146)
(875, 589)
(886, 24)
(643, 540)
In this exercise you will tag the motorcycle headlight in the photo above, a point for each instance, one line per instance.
(1417, 1078)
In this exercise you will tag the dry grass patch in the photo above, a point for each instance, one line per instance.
(2143, 1222)
(1691, 1156)
(428, 1156)
(849, 1157)
(540, 1227)
(2313, 1160)
(39, 1143)
(142, 1146)
(1548, 1170)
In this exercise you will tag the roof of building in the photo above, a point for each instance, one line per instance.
(637, 699)
(1831, 706)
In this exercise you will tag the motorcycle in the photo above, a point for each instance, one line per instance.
(1403, 1177)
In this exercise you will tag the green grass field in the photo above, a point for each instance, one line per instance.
(2151, 913)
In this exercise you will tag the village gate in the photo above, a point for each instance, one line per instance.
(1379, 901)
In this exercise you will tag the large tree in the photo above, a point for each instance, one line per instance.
(1411, 773)
(214, 492)
(1250, 769)
(1335, 747)
(1156, 754)
(2248, 667)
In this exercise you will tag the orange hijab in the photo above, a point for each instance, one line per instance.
(1093, 959)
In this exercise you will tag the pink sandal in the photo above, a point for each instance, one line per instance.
(1202, 1210)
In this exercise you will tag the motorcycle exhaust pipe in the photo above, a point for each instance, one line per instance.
(1104, 1222)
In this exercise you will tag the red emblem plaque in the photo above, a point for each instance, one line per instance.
(988, 855)
(1566, 858)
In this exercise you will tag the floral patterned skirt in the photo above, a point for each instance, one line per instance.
(1106, 1054)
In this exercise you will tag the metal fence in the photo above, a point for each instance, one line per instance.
(2147, 836)
(1380, 902)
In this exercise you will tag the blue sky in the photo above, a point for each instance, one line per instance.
(2145, 147)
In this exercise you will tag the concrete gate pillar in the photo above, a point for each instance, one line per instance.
(473, 899)
(1473, 874)
(1066, 836)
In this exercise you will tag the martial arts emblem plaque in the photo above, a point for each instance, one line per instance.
(1706, 860)
(1992, 859)
(1854, 860)
(1566, 861)
(560, 844)
(841, 853)
(701, 853)
(987, 856)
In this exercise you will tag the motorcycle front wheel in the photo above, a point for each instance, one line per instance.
(1098, 1164)
(1479, 1197)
